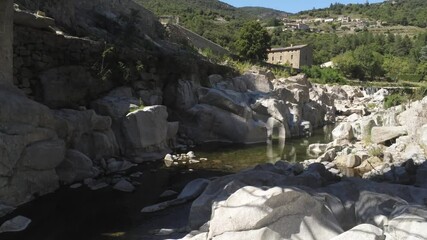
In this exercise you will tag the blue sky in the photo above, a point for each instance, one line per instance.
(292, 6)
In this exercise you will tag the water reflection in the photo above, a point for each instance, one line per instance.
(238, 157)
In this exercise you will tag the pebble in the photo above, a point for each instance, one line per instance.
(76, 185)
(16, 224)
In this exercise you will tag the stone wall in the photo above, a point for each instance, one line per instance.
(6, 39)
(36, 51)
(179, 33)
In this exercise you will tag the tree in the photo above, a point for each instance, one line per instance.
(253, 42)
(423, 54)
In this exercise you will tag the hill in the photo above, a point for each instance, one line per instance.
(211, 19)
(262, 13)
(396, 12)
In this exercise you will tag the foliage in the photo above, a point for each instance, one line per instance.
(402, 12)
(253, 42)
(324, 75)
(361, 63)
(394, 99)
(140, 106)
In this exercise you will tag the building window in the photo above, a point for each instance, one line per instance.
(292, 57)
(280, 58)
(272, 58)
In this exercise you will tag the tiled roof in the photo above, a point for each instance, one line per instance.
(288, 48)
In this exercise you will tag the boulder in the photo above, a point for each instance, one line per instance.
(124, 186)
(252, 208)
(353, 161)
(343, 131)
(145, 128)
(362, 232)
(369, 164)
(43, 155)
(383, 134)
(210, 123)
(180, 95)
(254, 82)
(75, 167)
(314, 113)
(222, 100)
(407, 222)
(362, 128)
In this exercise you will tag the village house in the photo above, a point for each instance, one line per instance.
(295, 56)
(297, 26)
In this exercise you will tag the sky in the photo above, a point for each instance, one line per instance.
(292, 6)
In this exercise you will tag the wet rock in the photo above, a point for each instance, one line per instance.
(168, 193)
(5, 209)
(15, 224)
(124, 186)
(75, 167)
(118, 166)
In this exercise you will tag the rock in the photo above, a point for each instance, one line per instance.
(145, 130)
(28, 19)
(118, 166)
(353, 117)
(343, 131)
(191, 155)
(383, 134)
(421, 176)
(136, 174)
(353, 161)
(370, 205)
(362, 232)
(214, 79)
(362, 128)
(414, 118)
(306, 128)
(75, 167)
(15, 224)
(369, 164)
(43, 155)
(168, 193)
(223, 100)
(173, 128)
(423, 137)
(407, 222)
(194, 188)
(68, 86)
(263, 233)
(168, 160)
(5, 209)
(124, 186)
(254, 82)
(210, 123)
(76, 185)
(251, 208)
(180, 95)
(316, 149)
(191, 191)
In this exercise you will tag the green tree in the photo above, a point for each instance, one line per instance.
(423, 54)
(253, 42)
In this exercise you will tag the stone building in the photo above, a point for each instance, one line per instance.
(295, 56)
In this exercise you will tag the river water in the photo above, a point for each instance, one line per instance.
(105, 214)
(238, 157)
